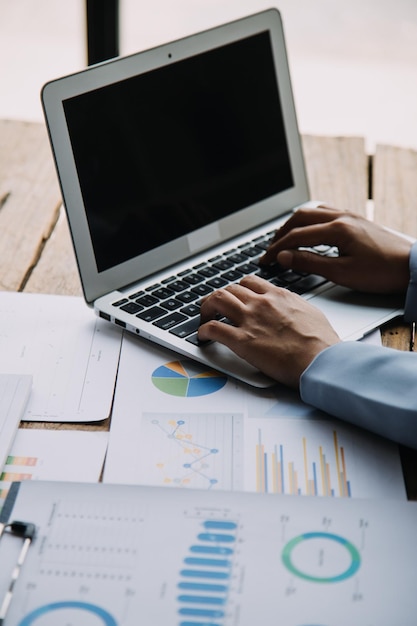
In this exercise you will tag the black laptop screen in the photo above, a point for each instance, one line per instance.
(163, 153)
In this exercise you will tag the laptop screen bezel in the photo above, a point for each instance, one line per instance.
(54, 94)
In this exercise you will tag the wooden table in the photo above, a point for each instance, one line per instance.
(36, 252)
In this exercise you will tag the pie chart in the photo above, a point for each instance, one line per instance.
(187, 379)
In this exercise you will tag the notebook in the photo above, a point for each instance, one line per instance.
(176, 165)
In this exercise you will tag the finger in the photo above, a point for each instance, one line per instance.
(257, 285)
(332, 268)
(215, 330)
(307, 236)
(306, 217)
(221, 303)
(241, 291)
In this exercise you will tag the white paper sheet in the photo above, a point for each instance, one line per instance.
(62, 455)
(113, 555)
(71, 354)
(14, 395)
(175, 423)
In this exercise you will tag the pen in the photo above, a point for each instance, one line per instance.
(27, 532)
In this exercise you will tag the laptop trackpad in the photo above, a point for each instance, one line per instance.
(354, 314)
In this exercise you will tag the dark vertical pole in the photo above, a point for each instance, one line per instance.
(102, 30)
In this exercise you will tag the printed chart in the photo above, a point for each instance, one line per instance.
(316, 458)
(187, 379)
(77, 611)
(201, 451)
(327, 476)
(109, 555)
(206, 578)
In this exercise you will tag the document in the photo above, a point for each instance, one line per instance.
(14, 394)
(71, 355)
(176, 423)
(39, 454)
(126, 555)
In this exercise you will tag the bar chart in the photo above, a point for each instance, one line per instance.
(319, 470)
(315, 458)
(206, 575)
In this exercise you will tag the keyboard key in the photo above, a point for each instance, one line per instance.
(252, 251)
(163, 293)
(190, 326)
(202, 290)
(187, 296)
(179, 285)
(170, 320)
(131, 307)
(193, 279)
(171, 304)
(152, 287)
(289, 277)
(147, 300)
(217, 282)
(223, 264)
(237, 258)
(137, 294)
(191, 310)
(208, 272)
(247, 268)
(232, 276)
(307, 283)
(152, 314)
(120, 302)
(270, 271)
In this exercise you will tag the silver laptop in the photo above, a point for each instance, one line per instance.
(176, 165)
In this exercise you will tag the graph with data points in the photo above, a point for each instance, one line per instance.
(202, 451)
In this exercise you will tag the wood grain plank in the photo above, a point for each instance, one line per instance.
(395, 188)
(29, 198)
(337, 171)
(56, 271)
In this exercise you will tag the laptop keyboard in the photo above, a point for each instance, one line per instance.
(174, 303)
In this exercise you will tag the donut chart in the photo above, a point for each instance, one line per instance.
(324, 537)
(187, 379)
(32, 617)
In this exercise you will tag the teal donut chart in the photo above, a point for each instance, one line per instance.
(108, 620)
(293, 543)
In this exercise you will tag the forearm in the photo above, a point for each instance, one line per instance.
(370, 386)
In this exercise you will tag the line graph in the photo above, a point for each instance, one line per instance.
(200, 451)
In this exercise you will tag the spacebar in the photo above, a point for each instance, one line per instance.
(183, 330)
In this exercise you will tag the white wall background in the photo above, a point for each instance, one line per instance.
(353, 62)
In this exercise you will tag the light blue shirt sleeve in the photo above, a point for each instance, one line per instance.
(370, 386)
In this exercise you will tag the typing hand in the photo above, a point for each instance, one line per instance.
(370, 259)
(274, 329)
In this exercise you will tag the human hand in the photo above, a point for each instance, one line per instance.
(371, 258)
(275, 330)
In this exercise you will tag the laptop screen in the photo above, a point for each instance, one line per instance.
(163, 153)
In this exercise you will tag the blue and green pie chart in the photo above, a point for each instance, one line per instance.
(187, 379)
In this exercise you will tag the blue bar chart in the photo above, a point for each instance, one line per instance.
(205, 577)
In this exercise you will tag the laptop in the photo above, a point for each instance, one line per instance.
(176, 166)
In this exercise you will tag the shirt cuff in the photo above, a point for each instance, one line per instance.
(410, 308)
